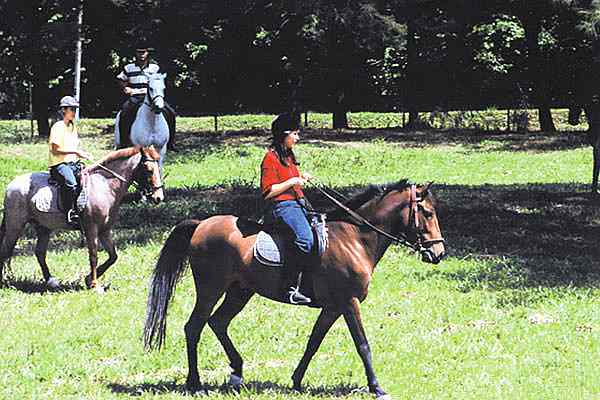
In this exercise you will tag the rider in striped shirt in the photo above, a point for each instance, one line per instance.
(134, 84)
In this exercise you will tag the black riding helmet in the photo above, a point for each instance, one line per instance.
(284, 123)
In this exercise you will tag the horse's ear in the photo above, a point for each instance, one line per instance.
(425, 192)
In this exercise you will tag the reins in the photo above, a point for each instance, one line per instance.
(401, 240)
(133, 182)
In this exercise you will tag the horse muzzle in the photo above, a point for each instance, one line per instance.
(429, 257)
(433, 254)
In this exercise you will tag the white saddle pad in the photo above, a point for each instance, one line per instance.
(268, 250)
(46, 199)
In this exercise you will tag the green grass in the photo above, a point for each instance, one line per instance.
(513, 313)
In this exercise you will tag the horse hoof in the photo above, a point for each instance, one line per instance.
(195, 389)
(98, 289)
(384, 397)
(297, 387)
(53, 284)
(235, 382)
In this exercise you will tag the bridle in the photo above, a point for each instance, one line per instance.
(414, 209)
(146, 188)
(420, 244)
(152, 104)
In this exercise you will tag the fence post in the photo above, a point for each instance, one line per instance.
(216, 123)
(29, 85)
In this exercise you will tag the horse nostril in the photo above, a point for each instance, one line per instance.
(426, 256)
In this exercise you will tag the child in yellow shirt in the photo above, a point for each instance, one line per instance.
(64, 154)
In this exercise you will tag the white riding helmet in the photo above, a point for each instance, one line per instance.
(69, 101)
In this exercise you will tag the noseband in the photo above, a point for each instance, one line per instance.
(152, 105)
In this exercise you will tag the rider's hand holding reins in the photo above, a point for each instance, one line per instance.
(279, 188)
(307, 177)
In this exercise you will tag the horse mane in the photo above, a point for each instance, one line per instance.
(129, 152)
(359, 198)
(119, 154)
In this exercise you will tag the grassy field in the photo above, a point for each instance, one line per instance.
(514, 312)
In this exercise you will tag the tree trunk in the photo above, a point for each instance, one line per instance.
(41, 95)
(411, 76)
(78, 54)
(537, 74)
(41, 92)
(340, 110)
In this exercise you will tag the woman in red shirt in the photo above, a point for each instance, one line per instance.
(281, 185)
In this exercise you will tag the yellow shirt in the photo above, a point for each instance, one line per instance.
(67, 140)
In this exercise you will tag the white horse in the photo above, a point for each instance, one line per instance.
(150, 126)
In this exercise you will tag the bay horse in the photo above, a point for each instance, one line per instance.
(106, 183)
(220, 251)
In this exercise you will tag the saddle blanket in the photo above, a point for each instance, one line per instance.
(269, 248)
(46, 199)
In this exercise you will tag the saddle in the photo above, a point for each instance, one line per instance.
(50, 198)
(270, 246)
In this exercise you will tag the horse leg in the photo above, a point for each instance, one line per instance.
(108, 244)
(320, 329)
(596, 171)
(352, 317)
(236, 299)
(10, 231)
(208, 292)
(41, 248)
(91, 237)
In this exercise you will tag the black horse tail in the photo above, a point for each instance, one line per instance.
(2, 228)
(2, 234)
(171, 265)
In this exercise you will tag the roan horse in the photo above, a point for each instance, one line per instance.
(106, 185)
(150, 126)
(220, 251)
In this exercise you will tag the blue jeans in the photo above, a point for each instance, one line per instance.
(290, 216)
(64, 174)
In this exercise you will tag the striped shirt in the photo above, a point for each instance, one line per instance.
(136, 78)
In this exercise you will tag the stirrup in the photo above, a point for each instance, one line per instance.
(72, 218)
(295, 297)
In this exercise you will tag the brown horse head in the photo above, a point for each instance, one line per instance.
(406, 210)
(148, 174)
(428, 231)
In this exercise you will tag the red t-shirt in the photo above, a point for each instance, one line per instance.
(273, 171)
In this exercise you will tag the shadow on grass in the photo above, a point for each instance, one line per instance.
(31, 286)
(521, 236)
(248, 389)
(206, 142)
